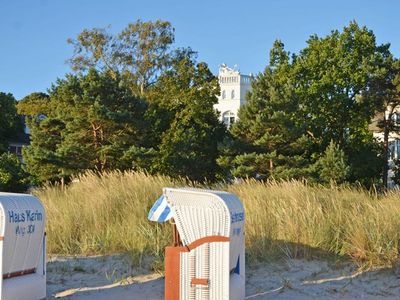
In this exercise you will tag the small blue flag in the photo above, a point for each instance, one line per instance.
(161, 211)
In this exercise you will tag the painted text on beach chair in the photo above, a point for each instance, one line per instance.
(207, 260)
(22, 248)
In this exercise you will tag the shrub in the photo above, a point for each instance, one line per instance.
(13, 177)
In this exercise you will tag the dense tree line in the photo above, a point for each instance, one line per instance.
(134, 101)
(301, 104)
(13, 178)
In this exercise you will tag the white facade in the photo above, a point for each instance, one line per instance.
(234, 87)
(394, 143)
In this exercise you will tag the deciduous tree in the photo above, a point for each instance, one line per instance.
(334, 76)
(140, 52)
(10, 123)
(13, 177)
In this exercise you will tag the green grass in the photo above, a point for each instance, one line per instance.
(108, 214)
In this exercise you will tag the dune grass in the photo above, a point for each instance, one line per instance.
(108, 214)
(296, 220)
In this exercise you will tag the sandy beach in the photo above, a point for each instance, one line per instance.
(113, 277)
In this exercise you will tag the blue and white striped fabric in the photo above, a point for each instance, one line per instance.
(161, 211)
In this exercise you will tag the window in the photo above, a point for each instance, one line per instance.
(394, 149)
(396, 118)
(228, 118)
(397, 146)
(17, 150)
(223, 94)
(233, 94)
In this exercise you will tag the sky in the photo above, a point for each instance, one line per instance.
(34, 33)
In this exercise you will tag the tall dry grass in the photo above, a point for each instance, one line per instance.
(297, 220)
(108, 214)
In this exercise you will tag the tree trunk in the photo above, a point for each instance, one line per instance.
(104, 160)
(142, 88)
(96, 143)
(386, 132)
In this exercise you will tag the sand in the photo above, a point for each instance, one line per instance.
(113, 277)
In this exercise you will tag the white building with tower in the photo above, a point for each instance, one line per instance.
(393, 139)
(234, 87)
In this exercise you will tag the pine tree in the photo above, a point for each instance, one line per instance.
(91, 122)
(268, 129)
(186, 125)
(332, 166)
(301, 103)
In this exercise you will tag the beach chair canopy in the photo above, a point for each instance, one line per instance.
(22, 220)
(22, 247)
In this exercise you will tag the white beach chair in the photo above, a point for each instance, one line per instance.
(22, 248)
(208, 260)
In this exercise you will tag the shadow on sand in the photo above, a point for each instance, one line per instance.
(294, 271)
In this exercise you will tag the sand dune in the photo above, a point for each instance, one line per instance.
(113, 277)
